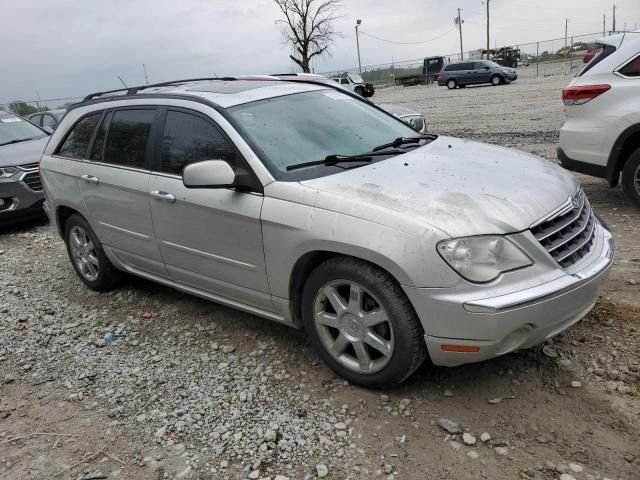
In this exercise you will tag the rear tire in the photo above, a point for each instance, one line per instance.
(631, 177)
(451, 84)
(496, 80)
(87, 255)
(362, 324)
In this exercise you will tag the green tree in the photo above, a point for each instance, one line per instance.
(22, 108)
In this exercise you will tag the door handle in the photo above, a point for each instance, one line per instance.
(89, 178)
(160, 195)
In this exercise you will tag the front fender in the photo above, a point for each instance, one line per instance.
(292, 230)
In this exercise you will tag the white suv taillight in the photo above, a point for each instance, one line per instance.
(582, 94)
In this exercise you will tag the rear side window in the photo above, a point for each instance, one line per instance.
(77, 142)
(190, 138)
(604, 53)
(631, 69)
(128, 137)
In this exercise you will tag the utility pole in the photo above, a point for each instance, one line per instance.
(458, 21)
(488, 44)
(566, 27)
(146, 78)
(614, 18)
(604, 24)
(358, 23)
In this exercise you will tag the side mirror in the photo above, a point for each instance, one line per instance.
(209, 174)
(48, 129)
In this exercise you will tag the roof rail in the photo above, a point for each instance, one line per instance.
(134, 90)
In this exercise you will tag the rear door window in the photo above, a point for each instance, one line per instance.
(128, 137)
(189, 138)
(77, 141)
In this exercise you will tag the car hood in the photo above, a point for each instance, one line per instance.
(458, 186)
(22, 153)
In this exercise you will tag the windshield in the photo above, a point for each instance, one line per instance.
(310, 126)
(16, 129)
(355, 78)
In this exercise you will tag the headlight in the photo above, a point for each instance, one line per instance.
(482, 259)
(506, 71)
(6, 172)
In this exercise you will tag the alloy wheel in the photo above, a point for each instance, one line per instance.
(353, 326)
(84, 253)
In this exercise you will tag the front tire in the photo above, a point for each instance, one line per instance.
(359, 91)
(496, 80)
(451, 84)
(631, 177)
(362, 324)
(87, 255)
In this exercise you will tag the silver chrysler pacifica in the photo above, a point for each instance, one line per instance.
(304, 204)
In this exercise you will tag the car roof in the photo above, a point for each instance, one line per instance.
(225, 92)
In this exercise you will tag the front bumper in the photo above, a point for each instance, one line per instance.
(20, 202)
(497, 325)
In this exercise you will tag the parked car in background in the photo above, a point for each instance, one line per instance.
(601, 133)
(384, 245)
(21, 146)
(48, 120)
(461, 74)
(408, 115)
(355, 83)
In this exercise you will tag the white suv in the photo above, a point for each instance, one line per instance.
(601, 134)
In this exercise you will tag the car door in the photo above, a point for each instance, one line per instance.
(482, 72)
(114, 185)
(465, 73)
(210, 239)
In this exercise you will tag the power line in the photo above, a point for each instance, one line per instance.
(407, 43)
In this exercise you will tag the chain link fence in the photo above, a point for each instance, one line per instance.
(537, 59)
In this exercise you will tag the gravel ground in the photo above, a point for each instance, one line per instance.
(147, 383)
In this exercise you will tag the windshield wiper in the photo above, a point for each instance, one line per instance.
(403, 140)
(331, 160)
(17, 140)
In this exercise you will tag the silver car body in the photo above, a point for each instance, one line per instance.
(21, 192)
(251, 251)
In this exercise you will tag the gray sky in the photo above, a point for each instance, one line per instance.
(65, 48)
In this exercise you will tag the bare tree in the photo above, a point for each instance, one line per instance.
(308, 27)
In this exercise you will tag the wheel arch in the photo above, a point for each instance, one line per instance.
(627, 143)
(63, 212)
(307, 263)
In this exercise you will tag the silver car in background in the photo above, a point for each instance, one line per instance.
(304, 204)
(21, 146)
(48, 120)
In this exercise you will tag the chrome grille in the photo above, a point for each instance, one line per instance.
(32, 181)
(29, 167)
(568, 235)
